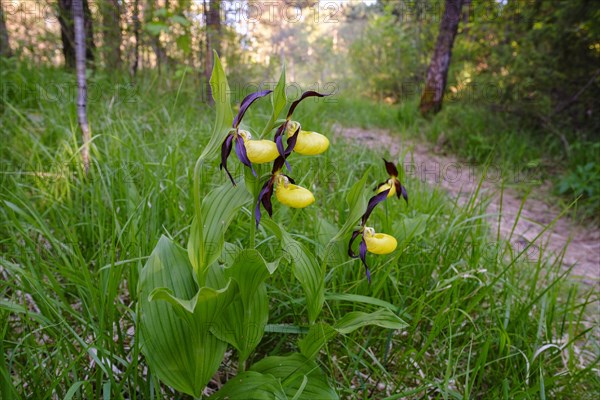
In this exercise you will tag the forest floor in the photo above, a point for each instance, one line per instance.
(520, 222)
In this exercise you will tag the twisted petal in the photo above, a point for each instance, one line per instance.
(283, 153)
(363, 257)
(310, 93)
(261, 151)
(373, 201)
(264, 197)
(400, 190)
(380, 243)
(294, 196)
(291, 142)
(240, 151)
(311, 143)
(225, 151)
(352, 239)
(248, 100)
(391, 168)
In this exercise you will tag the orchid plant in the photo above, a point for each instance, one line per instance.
(197, 302)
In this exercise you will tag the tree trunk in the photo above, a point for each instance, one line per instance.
(80, 59)
(437, 74)
(67, 32)
(136, 33)
(159, 51)
(213, 40)
(5, 50)
(111, 31)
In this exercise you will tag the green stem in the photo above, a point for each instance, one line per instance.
(253, 228)
(198, 216)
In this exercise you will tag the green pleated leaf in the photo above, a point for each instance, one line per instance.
(301, 378)
(411, 227)
(315, 339)
(224, 115)
(243, 323)
(251, 385)
(175, 325)
(321, 333)
(357, 205)
(332, 252)
(206, 242)
(307, 269)
(357, 319)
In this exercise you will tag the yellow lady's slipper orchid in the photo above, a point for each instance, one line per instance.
(259, 151)
(393, 184)
(292, 195)
(379, 243)
(307, 143)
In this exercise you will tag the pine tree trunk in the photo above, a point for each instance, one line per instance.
(80, 61)
(437, 74)
(111, 30)
(5, 50)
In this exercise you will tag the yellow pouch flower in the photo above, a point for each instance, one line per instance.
(379, 243)
(293, 195)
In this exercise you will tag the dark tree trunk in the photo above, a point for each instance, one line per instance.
(67, 32)
(136, 33)
(5, 50)
(213, 40)
(159, 51)
(111, 31)
(437, 74)
(79, 28)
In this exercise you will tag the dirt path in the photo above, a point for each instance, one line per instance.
(461, 180)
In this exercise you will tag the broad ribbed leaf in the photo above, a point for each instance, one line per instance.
(181, 351)
(251, 385)
(307, 270)
(410, 228)
(219, 208)
(243, 323)
(301, 378)
(315, 339)
(357, 204)
(321, 333)
(224, 116)
(357, 319)
(333, 253)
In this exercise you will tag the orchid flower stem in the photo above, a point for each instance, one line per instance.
(268, 127)
(198, 211)
(253, 228)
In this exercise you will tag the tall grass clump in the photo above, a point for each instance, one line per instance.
(484, 318)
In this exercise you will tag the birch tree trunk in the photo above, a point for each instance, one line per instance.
(79, 27)
(67, 31)
(437, 74)
(5, 50)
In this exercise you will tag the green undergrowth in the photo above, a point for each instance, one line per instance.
(528, 159)
(487, 318)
